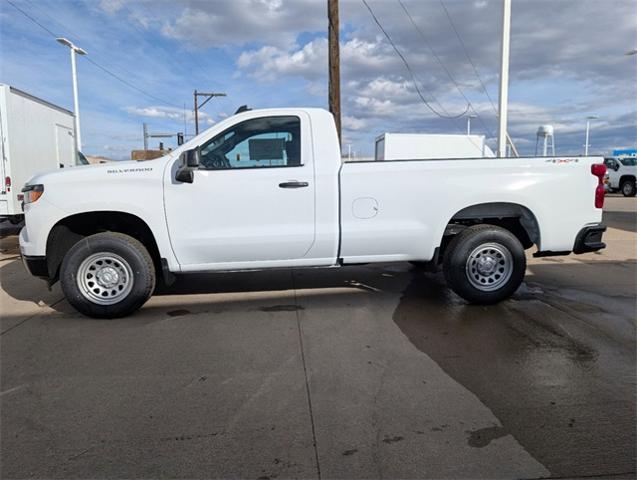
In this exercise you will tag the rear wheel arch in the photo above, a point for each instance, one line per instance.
(70, 230)
(514, 217)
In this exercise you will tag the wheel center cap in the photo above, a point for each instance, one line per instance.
(107, 277)
(486, 265)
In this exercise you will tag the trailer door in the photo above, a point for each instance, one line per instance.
(4, 202)
(65, 146)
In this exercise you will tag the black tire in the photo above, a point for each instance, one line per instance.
(497, 246)
(628, 188)
(138, 263)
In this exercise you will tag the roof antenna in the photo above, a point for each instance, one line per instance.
(242, 108)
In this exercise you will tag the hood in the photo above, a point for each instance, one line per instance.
(100, 172)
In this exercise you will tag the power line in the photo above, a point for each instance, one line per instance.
(452, 119)
(32, 19)
(101, 67)
(411, 73)
(464, 49)
(65, 28)
(205, 77)
(125, 82)
(424, 38)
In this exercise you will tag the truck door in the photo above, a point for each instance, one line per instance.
(65, 146)
(4, 203)
(251, 200)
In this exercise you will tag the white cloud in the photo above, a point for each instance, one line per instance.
(353, 123)
(111, 6)
(170, 113)
(204, 24)
(269, 63)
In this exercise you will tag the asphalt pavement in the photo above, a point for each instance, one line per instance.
(374, 371)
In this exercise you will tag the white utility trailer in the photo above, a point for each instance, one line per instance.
(406, 146)
(35, 136)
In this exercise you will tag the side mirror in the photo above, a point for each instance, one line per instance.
(190, 158)
(189, 162)
(185, 175)
(616, 167)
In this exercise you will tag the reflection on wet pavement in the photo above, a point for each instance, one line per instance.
(557, 378)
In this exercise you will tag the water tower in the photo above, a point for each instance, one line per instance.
(545, 134)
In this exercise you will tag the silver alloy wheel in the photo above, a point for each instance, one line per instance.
(627, 188)
(489, 267)
(105, 278)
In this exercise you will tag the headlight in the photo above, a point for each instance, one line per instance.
(32, 193)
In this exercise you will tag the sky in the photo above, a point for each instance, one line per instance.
(568, 61)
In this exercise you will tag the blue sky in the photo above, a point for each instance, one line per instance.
(567, 62)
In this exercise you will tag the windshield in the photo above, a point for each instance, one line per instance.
(81, 159)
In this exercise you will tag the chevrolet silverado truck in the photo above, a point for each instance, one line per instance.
(622, 175)
(267, 189)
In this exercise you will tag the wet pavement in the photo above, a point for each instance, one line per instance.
(361, 372)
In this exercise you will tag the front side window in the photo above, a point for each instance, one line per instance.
(610, 163)
(260, 142)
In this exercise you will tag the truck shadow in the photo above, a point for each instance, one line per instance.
(428, 293)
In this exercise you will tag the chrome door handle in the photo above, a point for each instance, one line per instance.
(293, 184)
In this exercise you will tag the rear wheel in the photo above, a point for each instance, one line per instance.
(628, 188)
(107, 275)
(484, 264)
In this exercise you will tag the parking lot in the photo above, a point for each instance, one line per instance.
(360, 372)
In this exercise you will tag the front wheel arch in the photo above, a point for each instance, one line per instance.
(70, 230)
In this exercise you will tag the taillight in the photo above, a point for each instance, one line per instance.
(7, 184)
(599, 170)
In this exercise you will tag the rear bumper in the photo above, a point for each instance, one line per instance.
(589, 239)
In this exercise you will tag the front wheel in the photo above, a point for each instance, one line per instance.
(628, 188)
(107, 275)
(484, 264)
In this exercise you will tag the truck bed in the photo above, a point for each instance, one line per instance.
(398, 210)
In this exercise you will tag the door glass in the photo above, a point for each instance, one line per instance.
(258, 143)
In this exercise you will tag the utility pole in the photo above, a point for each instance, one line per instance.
(145, 136)
(334, 64)
(504, 78)
(208, 96)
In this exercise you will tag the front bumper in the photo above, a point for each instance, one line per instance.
(589, 239)
(36, 266)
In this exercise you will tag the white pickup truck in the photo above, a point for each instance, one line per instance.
(267, 189)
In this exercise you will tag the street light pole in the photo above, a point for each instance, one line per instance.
(588, 127)
(469, 117)
(76, 103)
(504, 78)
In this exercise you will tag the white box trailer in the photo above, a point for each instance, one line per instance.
(405, 146)
(35, 136)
